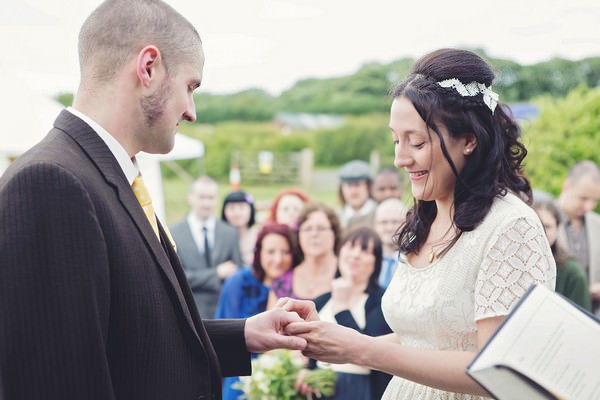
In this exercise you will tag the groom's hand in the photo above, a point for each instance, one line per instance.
(265, 331)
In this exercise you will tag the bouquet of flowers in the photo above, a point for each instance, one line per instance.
(274, 375)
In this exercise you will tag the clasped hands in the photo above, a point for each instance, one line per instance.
(295, 325)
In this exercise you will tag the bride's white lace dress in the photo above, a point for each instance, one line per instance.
(483, 275)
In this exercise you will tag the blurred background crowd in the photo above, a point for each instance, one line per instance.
(240, 258)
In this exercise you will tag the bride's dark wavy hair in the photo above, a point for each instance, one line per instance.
(495, 165)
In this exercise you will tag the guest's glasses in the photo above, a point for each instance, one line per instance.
(308, 230)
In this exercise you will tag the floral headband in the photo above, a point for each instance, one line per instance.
(490, 98)
(249, 199)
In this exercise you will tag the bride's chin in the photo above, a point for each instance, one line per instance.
(421, 197)
(418, 195)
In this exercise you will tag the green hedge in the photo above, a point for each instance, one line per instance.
(356, 139)
(567, 131)
(222, 139)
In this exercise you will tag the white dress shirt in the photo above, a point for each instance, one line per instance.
(196, 225)
(128, 166)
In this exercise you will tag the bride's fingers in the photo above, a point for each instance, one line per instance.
(299, 328)
(282, 302)
(305, 308)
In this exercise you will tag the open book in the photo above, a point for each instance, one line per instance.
(546, 348)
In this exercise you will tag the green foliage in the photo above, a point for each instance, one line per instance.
(365, 92)
(66, 99)
(567, 131)
(249, 105)
(555, 77)
(221, 140)
(274, 375)
(356, 139)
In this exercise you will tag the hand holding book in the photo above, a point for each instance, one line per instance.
(547, 348)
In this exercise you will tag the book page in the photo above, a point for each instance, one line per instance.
(553, 343)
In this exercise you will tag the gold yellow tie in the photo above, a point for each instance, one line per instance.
(143, 196)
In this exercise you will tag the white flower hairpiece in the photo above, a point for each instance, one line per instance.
(490, 98)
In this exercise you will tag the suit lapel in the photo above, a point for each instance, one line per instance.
(187, 295)
(220, 240)
(187, 245)
(101, 156)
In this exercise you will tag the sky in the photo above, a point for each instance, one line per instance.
(271, 44)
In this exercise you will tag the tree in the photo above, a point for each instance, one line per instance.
(567, 131)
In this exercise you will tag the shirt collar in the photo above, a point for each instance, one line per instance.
(196, 224)
(392, 258)
(128, 166)
(365, 209)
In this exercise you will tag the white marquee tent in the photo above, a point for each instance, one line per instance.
(26, 117)
(185, 148)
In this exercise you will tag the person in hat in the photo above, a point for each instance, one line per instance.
(387, 184)
(355, 191)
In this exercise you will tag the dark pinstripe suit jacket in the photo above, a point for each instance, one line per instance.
(92, 306)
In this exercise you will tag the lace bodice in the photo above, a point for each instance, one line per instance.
(483, 275)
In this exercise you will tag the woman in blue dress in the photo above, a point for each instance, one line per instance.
(245, 293)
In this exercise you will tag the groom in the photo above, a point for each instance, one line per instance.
(94, 303)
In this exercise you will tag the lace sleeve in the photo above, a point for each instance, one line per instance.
(518, 257)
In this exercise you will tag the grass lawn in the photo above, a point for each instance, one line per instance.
(175, 191)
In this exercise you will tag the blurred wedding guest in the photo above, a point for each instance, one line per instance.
(471, 245)
(387, 183)
(238, 211)
(207, 247)
(541, 195)
(390, 214)
(579, 231)
(570, 279)
(319, 234)
(246, 292)
(286, 207)
(355, 191)
(355, 302)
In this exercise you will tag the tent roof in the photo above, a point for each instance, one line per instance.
(185, 147)
(27, 115)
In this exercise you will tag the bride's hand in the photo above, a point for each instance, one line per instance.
(304, 308)
(329, 342)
